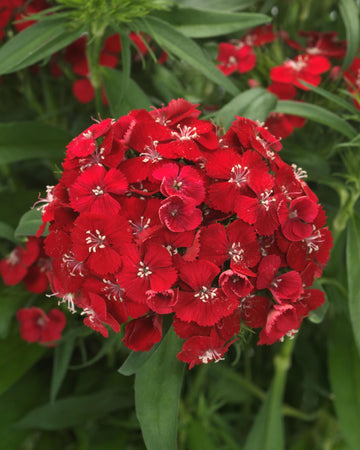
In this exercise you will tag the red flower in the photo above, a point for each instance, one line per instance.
(94, 190)
(179, 214)
(281, 320)
(296, 220)
(98, 240)
(202, 350)
(236, 58)
(201, 302)
(285, 286)
(15, 266)
(141, 334)
(37, 326)
(304, 67)
(145, 269)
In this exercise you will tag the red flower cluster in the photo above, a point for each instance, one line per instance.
(156, 214)
(287, 78)
(28, 265)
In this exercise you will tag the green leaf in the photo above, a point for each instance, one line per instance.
(350, 15)
(21, 141)
(214, 5)
(136, 360)
(317, 114)
(157, 392)
(73, 411)
(36, 43)
(12, 298)
(254, 104)
(133, 98)
(331, 97)
(29, 223)
(267, 432)
(344, 371)
(7, 232)
(195, 23)
(17, 356)
(62, 355)
(352, 264)
(170, 39)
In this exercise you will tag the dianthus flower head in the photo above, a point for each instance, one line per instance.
(156, 214)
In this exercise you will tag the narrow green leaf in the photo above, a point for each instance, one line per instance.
(352, 264)
(136, 360)
(317, 114)
(133, 98)
(215, 5)
(185, 49)
(331, 97)
(267, 431)
(350, 15)
(29, 223)
(62, 355)
(7, 232)
(36, 43)
(195, 23)
(157, 392)
(17, 356)
(254, 104)
(73, 411)
(344, 371)
(21, 141)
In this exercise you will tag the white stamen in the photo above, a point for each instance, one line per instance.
(185, 133)
(95, 241)
(210, 355)
(143, 271)
(239, 175)
(206, 293)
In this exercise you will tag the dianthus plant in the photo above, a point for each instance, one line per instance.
(161, 214)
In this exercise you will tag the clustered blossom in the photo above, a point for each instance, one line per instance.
(158, 214)
(312, 61)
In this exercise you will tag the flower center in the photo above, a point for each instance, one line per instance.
(297, 65)
(265, 200)
(95, 241)
(206, 293)
(14, 257)
(113, 291)
(98, 190)
(75, 267)
(185, 133)
(150, 153)
(140, 226)
(143, 270)
(236, 252)
(210, 355)
(313, 241)
(239, 175)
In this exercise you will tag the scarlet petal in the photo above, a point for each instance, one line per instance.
(179, 214)
(141, 334)
(83, 90)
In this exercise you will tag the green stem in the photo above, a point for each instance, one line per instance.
(93, 50)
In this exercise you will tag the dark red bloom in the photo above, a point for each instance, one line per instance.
(37, 326)
(141, 334)
(202, 350)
